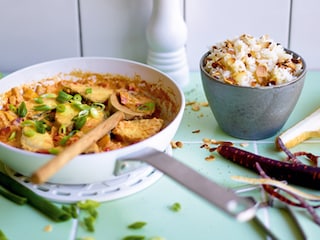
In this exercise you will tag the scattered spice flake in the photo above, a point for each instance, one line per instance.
(196, 131)
(190, 103)
(215, 142)
(244, 144)
(195, 107)
(176, 144)
(204, 104)
(205, 146)
(48, 228)
(210, 158)
(179, 144)
(206, 140)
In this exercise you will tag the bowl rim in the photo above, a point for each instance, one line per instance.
(297, 78)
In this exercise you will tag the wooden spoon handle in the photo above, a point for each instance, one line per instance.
(56, 163)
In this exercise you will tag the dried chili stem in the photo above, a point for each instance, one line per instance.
(291, 157)
(302, 201)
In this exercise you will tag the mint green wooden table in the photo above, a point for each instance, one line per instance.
(196, 219)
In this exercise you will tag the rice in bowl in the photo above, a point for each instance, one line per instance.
(252, 62)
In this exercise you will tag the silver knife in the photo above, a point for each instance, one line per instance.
(221, 197)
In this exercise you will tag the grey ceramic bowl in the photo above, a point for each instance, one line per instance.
(251, 113)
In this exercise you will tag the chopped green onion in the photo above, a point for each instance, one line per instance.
(61, 108)
(22, 110)
(40, 126)
(77, 98)
(38, 100)
(157, 238)
(35, 200)
(49, 95)
(94, 112)
(134, 237)
(81, 106)
(98, 106)
(176, 207)
(2, 235)
(90, 206)
(137, 225)
(62, 129)
(42, 108)
(89, 222)
(29, 132)
(86, 204)
(71, 209)
(79, 122)
(83, 113)
(12, 136)
(27, 123)
(13, 108)
(64, 97)
(12, 197)
(149, 106)
(54, 151)
(65, 139)
(93, 212)
(88, 90)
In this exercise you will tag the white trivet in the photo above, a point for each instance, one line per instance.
(118, 187)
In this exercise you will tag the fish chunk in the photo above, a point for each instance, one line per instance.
(65, 118)
(137, 130)
(38, 142)
(96, 94)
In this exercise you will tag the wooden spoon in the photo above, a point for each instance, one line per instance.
(56, 163)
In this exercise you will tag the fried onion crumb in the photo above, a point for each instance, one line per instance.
(210, 158)
(195, 107)
(244, 144)
(176, 144)
(48, 228)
